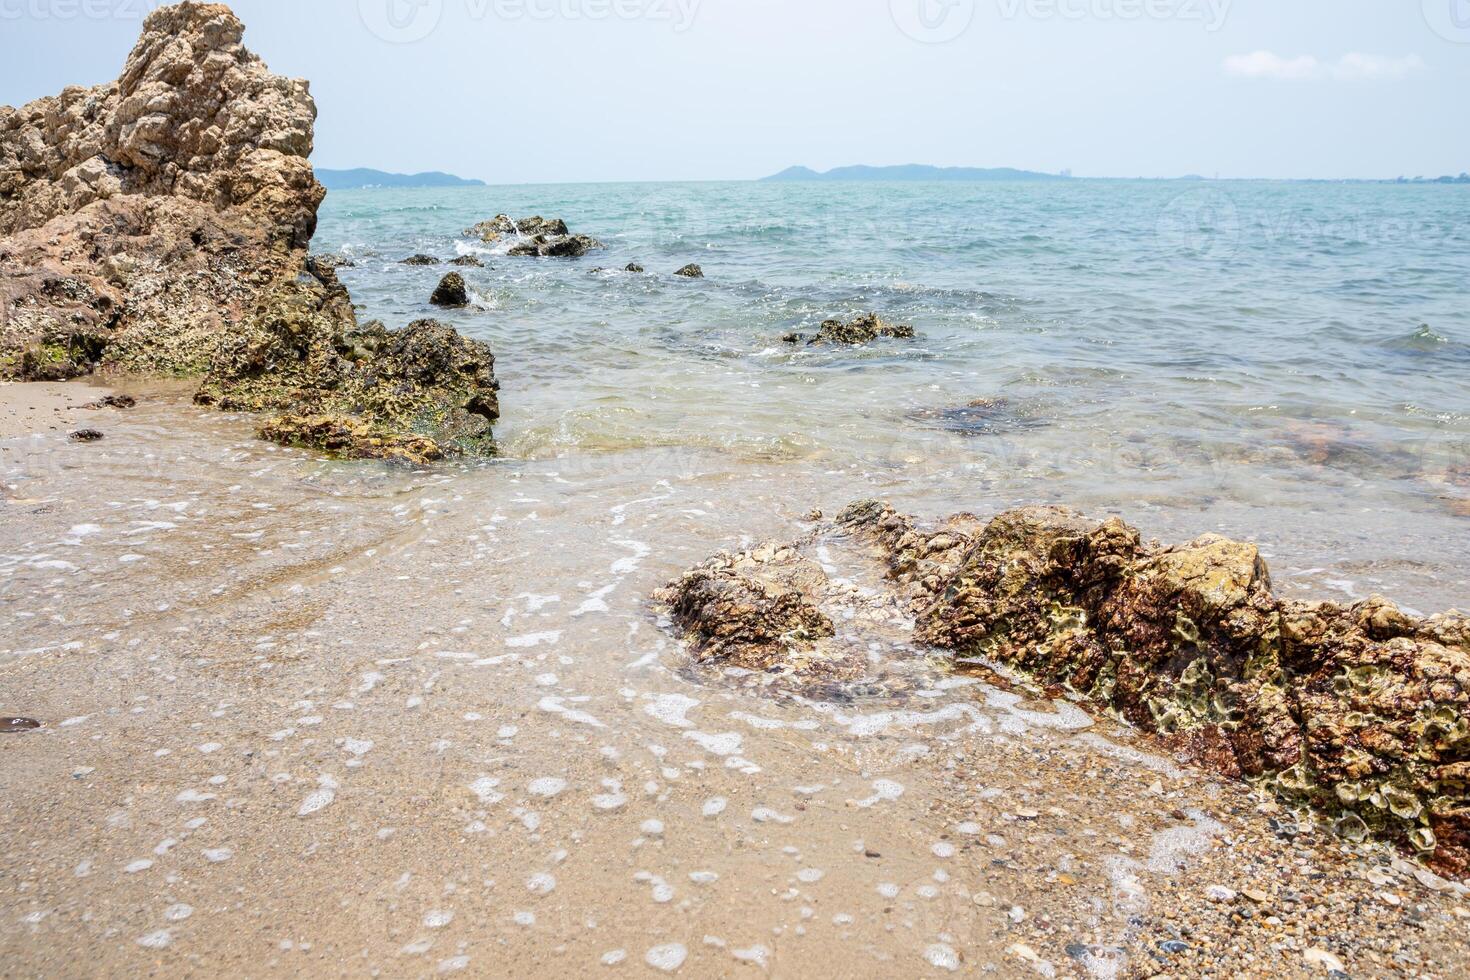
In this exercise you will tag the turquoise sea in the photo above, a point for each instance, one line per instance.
(1288, 362)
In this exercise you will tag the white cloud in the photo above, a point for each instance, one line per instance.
(1353, 66)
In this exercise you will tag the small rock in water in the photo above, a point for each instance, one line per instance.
(691, 271)
(469, 261)
(451, 291)
(113, 401)
(86, 435)
(18, 724)
(420, 260)
(633, 267)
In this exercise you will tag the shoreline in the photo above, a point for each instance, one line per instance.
(34, 407)
(251, 703)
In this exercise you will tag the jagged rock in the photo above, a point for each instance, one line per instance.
(142, 216)
(1362, 711)
(691, 271)
(750, 608)
(633, 267)
(537, 236)
(555, 246)
(468, 261)
(502, 224)
(330, 260)
(301, 353)
(420, 259)
(160, 223)
(86, 435)
(864, 329)
(451, 291)
(113, 401)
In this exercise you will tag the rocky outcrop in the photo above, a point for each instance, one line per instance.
(421, 392)
(1360, 711)
(535, 236)
(555, 246)
(451, 292)
(160, 224)
(862, 330)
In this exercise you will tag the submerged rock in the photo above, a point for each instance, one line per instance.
(451, 291)
(1361, 711)
(420, 259)
(633, 267)
(866, 328)
(691, 271)
(113, 401)
(86, 435)
(760, 610)
(160, 224)
(469, 261)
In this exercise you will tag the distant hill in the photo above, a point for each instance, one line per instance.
(914, 171)
(343, 180)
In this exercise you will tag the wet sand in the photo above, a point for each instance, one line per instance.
(354, 719)
(45, 407)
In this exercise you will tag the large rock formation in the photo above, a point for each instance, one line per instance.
(1361, 711)
(154, 223)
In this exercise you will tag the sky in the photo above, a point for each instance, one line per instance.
(525, 91)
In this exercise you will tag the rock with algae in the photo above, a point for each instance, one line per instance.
(418, 393)
(1361, 711)
(860, 330)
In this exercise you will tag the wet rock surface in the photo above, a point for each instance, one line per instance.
(468, 261)
(451, 292)
(420, 260)
(535, 236)
(301, 354)
(862, 330)
(691, 271)
(1362, 711)
(157, 223)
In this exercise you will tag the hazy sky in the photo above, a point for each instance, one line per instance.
(569, 90)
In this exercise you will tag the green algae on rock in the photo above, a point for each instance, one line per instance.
(1361, 711)
(424, 389)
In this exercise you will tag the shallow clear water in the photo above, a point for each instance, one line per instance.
(1286, 362)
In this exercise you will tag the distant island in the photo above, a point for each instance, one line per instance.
(915, 172)
(343, 180)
